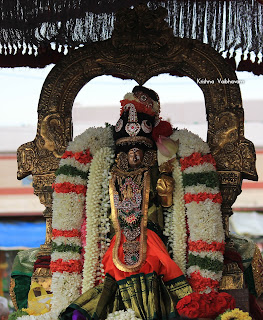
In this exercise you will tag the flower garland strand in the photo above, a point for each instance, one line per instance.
(129, 314)
(68, 207)
(201, 204)
(68, 203)
(203, 211)
(175, 224)
(97, 222)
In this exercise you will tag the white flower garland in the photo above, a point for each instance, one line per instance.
(67, 208)
(175, 222)
(123, 315)
(189, 143)
(204, 218)
(97, 224)
(94, 139)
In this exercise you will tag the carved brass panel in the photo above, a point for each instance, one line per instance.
(142, 46)
(233, 277)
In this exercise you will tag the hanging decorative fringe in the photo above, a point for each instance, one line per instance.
(231, 60)
(226, 25)
(247, 65)
(258, 67)
(44, 57)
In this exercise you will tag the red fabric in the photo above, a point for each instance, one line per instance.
(231, 256)
(255, 310)
(157, 260)
(42, 262)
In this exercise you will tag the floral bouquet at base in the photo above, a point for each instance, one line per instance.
(205, 305)
(235, 314)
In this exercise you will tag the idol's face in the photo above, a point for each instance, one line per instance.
(135, 156)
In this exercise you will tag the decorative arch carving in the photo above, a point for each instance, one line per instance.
(142, 46)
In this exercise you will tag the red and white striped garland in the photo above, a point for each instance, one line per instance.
(69, 212)
(197, 200)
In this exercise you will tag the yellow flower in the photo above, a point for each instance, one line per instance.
(236, 314)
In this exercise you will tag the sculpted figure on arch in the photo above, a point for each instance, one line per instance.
(137, 222)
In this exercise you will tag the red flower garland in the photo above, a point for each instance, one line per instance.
(205, 305)
(67, 187)
(66, 233)
(200, 246)
(66, 266)
(163, 128)
(82, 157)
(202, 196)
(199, 283)
(196, 159)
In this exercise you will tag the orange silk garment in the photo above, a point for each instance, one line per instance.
(157, 259)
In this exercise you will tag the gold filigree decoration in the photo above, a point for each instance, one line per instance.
(233, 277)
(149, 158)
(122, 161)
(180, 288)
(230, 187)
(53, 134)
(12, 293)
(257, 268)
(136, 29)
(26, 156)
(143, 236)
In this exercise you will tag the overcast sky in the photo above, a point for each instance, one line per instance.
(21, 87)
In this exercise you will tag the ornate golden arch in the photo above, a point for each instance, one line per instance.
(142, 46)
